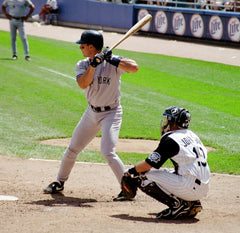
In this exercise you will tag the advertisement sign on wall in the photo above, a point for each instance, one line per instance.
(190, 23)
(234, 29)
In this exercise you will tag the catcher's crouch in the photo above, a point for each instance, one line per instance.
(181, 188)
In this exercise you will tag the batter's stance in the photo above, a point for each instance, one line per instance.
(182, 188)
(100, 75)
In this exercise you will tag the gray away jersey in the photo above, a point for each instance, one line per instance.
(17, 8)
(105, 87)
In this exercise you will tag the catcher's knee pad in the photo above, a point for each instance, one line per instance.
(154, 191)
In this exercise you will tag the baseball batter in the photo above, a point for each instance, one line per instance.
(181, 188)
(100, 75)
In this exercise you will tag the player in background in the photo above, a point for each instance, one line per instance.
(180, 188)
(16, 16)
(100, 76)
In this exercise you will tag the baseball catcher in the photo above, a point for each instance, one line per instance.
(180, 188)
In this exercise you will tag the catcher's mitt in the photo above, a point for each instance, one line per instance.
(129, 186)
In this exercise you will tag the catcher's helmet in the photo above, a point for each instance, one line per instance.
(92, 37)
(180, 116)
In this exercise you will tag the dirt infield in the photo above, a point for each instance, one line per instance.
(86, 205)
(123, 145)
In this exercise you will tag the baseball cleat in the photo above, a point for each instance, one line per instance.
(14, 57)
(36, 17)
(181, 210)
(121, 197)
(54, 187)
(27, 58)
(195, 208)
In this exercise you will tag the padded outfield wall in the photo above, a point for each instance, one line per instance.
(180, 22)
(206, 25)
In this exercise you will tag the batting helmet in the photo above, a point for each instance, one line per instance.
(92, 37)
(180, 116)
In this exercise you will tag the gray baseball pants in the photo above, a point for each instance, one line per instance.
(14, 26)
(109, 122)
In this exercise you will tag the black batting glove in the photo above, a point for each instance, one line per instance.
(109, 58)
(97, 59)
(107, 53)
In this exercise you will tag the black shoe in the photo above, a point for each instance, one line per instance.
(54, 187)
(14, 57)
(121, 197)
(175, 212)
(195, 208)
(27, 58)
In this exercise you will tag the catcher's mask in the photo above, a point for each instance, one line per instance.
(175, 116)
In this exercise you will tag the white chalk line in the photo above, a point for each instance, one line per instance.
(52, 160)
(104, 164)
(57, 72)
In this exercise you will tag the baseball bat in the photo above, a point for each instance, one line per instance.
(130, 32)
(133, 29)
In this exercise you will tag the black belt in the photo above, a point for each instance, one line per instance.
(101, 109)
(197, 181)
(17, 18)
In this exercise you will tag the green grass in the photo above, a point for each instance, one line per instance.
(41, 100)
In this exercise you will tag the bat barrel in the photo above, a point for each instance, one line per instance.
(133, 29)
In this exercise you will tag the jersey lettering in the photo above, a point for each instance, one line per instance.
(192, 156)
(201, 158)
(104, 80)
(187, 141)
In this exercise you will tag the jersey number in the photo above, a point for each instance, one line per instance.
(200, 155)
